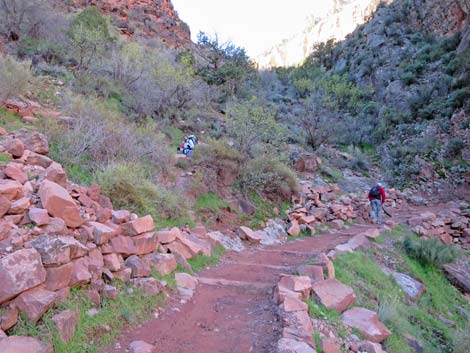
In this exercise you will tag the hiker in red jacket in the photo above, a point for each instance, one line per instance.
(377, 199)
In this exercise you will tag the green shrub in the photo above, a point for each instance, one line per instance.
(15, 77)
(454, 147)
(210, 202)
(462, 340)
(129, 187)
(429, 251)
(269, 177)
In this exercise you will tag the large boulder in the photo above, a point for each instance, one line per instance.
(248, 235)
(11, 189)
(23, 344)
(138, 226)
(123, 245)
(139, 268)
(300, 284)
(34, 303)
(33, 141)
(164, 264)
(145, 243)
(19, 272)
(167, 236)
(185, 280)
(367, 323)
(60, 250)
(59, 277)
(459, 274)
(334, 295)
(57, 201)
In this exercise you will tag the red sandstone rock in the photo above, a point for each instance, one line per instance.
(11, 189)
(334, 295)
(138, 267)
(110, 292)
(315, 272)
(121, 216)
(57, 201)
(113, 262)
(80, 274)
(23, 344)
(178, 248)
(56, 174)
(36, 159)
(8, 318)
(164, 264)
(367, 322)
(195, 245)
(294, 229)
(291, 303)
(20, 271)
(58, 277)
(329, 345)
(200, 231)
(167, 236)
(15, 147)
(138, 226)
(58, 250)
(34, 303)
(145, 243)
(290, 345)
(33, 141)
(123, 275)
(18, 207)
(248, 235)
(39, 216)
(371, 347)
(123, 245)
(185, 280)
(4, 205)
(66, 322)
(93, 296)
(16, 172)
(372, 233)
(301, 284)
(103, 233)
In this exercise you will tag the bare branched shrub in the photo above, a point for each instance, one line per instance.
(97, 136)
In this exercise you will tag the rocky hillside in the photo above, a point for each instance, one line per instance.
(150, 18)
(340, 18)
(343, 16)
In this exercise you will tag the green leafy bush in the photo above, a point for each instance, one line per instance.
(429, 251)
(15, 77)
(269, 177)
(130, 187)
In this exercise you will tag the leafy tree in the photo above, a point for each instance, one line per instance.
(90, 35)
(225, 64)
(253, 128)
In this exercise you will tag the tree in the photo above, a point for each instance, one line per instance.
(253, 128)
(226, 65)
(90, 36)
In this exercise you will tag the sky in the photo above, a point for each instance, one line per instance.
(255, 25)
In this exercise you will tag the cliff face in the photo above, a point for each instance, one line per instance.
(339, 19)
(443, 17)
(148, 18)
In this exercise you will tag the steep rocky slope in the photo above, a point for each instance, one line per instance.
(339, 19)
(343, 16)
(150, 18)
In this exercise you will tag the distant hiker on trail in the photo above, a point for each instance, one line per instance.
(188, 144)
(377, 199)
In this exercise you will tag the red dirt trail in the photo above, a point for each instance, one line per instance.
(232, 310)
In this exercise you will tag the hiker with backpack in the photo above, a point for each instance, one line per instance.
(187, 147)
(377, 199)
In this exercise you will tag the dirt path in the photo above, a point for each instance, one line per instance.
(232, 310)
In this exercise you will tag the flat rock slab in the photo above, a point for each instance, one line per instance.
(288, 345)
(334, 295)
(410, 286)
(367, 322)
(22, 344)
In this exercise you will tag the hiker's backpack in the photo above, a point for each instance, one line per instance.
(375, 191)
(193, 138)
